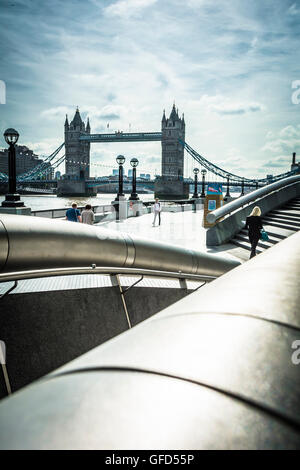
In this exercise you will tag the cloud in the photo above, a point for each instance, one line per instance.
(137, 56)
(234, 162)
(111, 117)
(287, 141)
(290, 132)
(96, 116)
(57, 112)
(45, 147)
(278, 162)
(293, 10)
(226, 106)
(128, 8)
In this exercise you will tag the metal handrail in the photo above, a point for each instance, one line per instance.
(104, 208)
(243, 200)
(35, 243)
(42, 273)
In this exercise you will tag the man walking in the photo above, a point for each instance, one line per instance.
(73, 214)
(157, 211)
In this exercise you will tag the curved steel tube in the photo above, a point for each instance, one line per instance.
(42, 273)
(212, 371)
(241, 201)
(28, 243)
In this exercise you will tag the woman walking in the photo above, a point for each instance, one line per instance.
(254, 226)
(87, 215)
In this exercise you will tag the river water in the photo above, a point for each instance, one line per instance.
(46, 201)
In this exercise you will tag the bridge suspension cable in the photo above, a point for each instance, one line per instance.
(39, 169)
(216, 170)
(42, 167)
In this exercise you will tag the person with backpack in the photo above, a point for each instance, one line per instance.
(157, 211)
(73, 214)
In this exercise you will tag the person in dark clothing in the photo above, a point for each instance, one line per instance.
(254, 226)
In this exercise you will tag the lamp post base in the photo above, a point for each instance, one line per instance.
(133, 197)
(12, 200)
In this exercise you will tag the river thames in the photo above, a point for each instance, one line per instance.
(47, 201)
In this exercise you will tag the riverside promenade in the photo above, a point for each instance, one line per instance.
(183, 229)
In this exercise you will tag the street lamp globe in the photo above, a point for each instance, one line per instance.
(11, 136)
(203, 172)
(196, 171)
(120, 159)
(134, 162)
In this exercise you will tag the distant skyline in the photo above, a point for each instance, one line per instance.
(231, 67)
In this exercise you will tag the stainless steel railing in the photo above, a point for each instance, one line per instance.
(33, 243)
(42, 273)
(58, 213)
(215, 215)
(61, 212)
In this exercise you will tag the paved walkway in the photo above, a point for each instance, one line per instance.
(177, 228)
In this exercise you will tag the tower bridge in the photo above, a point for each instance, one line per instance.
(78, 138)
(171, 183)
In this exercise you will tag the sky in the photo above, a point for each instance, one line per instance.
(231, 67)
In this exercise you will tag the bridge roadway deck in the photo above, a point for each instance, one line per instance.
(180, 228)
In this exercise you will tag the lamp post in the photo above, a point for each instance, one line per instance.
(134, 163)
(227, 192)
(120, 161)
(243, 187)
(12, 199)
(196, 171)
(203, 173)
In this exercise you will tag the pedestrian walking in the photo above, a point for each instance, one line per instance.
(157, 211)
(73, 214)
(254, 226)
(87, 215)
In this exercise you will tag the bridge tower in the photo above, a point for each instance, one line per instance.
(170, 185)
(77, 152)
(172, 161)
(77, 159)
